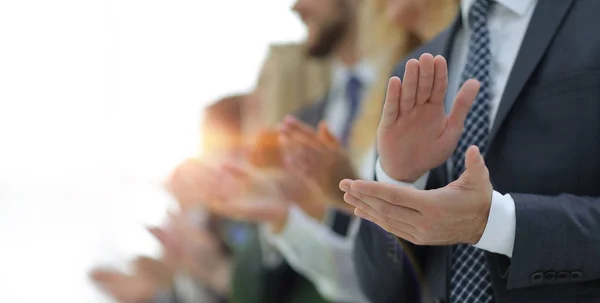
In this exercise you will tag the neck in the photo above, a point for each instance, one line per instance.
(347, 50)
(434, 19)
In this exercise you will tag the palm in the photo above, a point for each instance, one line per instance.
(249, 194)
(415, 134)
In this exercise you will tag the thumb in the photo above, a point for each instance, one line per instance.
(462, 104)
(474, 163)
(325, 135)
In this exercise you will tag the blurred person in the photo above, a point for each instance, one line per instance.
(197, 246)
(262, 273)
(511, 208)
(298, 264)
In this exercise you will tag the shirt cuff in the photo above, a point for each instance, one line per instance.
(499, 234)
(164, 296)
(384, 178)
(295, 231)
(271, 258)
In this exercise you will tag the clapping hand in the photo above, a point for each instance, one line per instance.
(195, 251)
(454, 214)
(318, 155)
(150, 277)
(415, 135)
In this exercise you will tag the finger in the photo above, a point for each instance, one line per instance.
(167, 240)
(148, 265)
(105, 276)
(462, 104)
(383, 210)
(396, 195)
(159, 234)
(293, 143)
(345, 185)
(235, 170)
(391, 106)
(357, 203)
(326, 136)
(299, 165)
(440, 80)
(475, 164)
(198, 238)
(426, 76)
(258, 211)
(396, 230)
(291, 125)
(409, 86)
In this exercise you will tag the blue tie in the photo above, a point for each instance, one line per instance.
(353, 94)
(470, 278)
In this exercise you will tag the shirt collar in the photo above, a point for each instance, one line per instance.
(518, 7)
(363, 70)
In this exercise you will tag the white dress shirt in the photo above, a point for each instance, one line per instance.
(508, 21)
(311, 247)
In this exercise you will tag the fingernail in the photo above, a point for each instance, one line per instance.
(345, 185)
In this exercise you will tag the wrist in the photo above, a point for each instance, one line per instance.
(222, 278)
(401, 176)
(479, 229)
(278, 225)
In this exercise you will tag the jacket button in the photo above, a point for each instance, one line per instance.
(563, 276)
(549, 276)
(576, 276)
(536, 278)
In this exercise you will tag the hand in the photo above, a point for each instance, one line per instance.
(317, 154)
(192, 184)
(266, 151)
(455, 214)
(195, 251)
(150, 277)
(265, 195)
(414, 134)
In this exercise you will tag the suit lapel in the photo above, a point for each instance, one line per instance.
(543, 26)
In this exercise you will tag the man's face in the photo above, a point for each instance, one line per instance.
(327, 22)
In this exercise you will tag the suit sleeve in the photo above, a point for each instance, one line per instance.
(558, 236)
(252, 282)
(385, 266)
(321, 255)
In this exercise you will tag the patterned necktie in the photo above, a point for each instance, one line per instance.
(353, 94)
(470, 278)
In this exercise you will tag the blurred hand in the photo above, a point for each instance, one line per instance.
(414, 134)
(195, 251)
(318, 155)
(191, 183)
(266, 152)
(265, 195)
(149, 278)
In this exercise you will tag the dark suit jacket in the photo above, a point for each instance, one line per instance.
(544, 150)
(253, 283)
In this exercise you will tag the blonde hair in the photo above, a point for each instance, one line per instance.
(389, 43)
(289, 80)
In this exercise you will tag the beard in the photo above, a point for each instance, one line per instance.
(327, 39)
(331, 33)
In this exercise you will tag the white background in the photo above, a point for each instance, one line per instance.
(98, 100)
